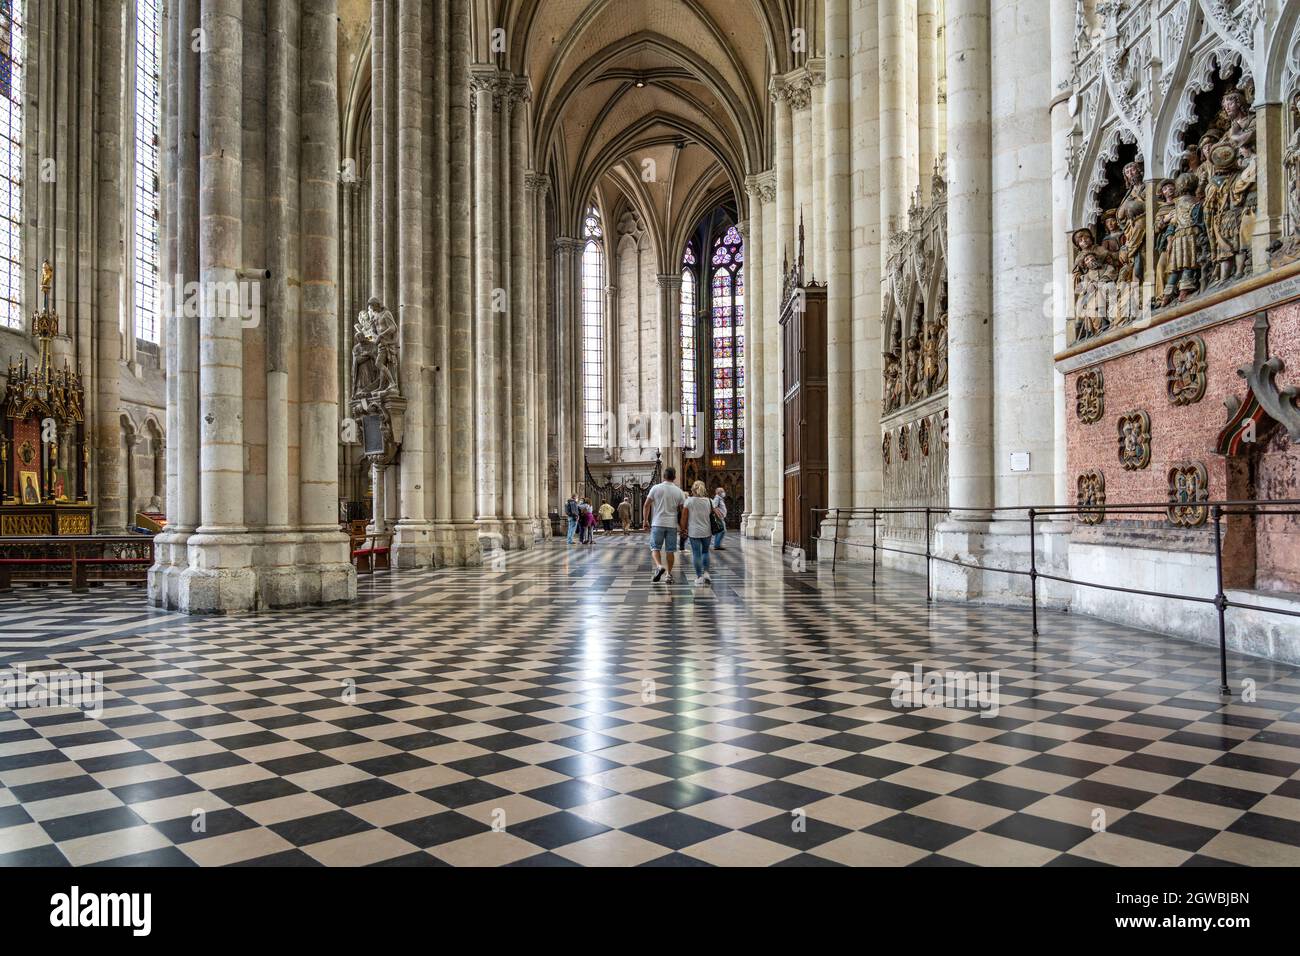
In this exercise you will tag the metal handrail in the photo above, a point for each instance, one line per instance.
(1033, 515)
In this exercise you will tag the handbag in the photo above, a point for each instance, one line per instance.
(715, 523)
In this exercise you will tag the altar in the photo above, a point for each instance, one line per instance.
(44, 457)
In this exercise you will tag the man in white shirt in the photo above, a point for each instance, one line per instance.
(662, 504)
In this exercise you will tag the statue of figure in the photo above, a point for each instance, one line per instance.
(1132, 215)
(1096, 293)
(893, 383)
(1241, 120)
(935, 354)
(1222, 215)
(1186, 240)
(1245, 198)
(1291, 163)
(1167, 193)
(913, 362)
(1113, 240)
(374, 352)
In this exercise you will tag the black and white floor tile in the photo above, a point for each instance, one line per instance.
(566, 710)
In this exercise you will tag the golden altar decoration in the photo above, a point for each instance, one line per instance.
(44, 458)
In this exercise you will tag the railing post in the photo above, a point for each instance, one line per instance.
(835, 544)
(1033, 573)
(1221, 601)
(873, 547)
(927, 555)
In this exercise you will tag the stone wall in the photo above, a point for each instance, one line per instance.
(1141, 382)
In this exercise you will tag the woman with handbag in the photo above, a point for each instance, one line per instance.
(699, 521)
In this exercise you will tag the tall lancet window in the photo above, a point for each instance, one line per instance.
(593, 331)
(148, 21)
(690, 388)
(728, 295)
(11, 162)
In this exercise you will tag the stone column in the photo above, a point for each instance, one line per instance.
(521, 318)
(970, 297)
(838, 233)
(969, 258)
(487, 451)
(568, 253)
(1062, 16)
(755, 320)
(378, 91)
(866, 257)
(819, 267)
(799, 94)
(895, 183)
(458, 539)
(771, 410)
(927, 72)
(184, 507)
(327, 574)
(108, 471)
(504, 226)
(612, 353)
(537, 263)
(219, 576)
(787, 251)
(783, 137)
(412, 543)
(670, 299)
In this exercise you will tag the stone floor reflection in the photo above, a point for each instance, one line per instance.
(566, 710)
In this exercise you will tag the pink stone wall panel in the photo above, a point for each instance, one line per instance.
(1137, 382)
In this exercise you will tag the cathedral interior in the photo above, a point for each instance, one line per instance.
(876, 414)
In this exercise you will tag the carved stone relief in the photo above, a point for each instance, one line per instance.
(1090, 396)
(1186, 374)
(1185, 70)
(915, 316)
(1189, 484)
(1134, 440)
(1092, 496)
(917, 475)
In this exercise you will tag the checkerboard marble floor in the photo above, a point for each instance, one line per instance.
(565, 709)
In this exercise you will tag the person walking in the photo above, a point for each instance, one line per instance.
(571, 513)
(662, 506)
(696, 525)
(720, 506)
(625, 515)
(607, 517)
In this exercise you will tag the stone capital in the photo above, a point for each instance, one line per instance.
(537, 182)
(670, 282)
(761, 186)
(567, 245)
(816, 71)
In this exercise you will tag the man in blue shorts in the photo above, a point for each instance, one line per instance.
(663, 503)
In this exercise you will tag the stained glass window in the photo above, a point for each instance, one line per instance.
(11, 162)
(690, 389)
(727, 288)
(148, 20)
(593, 326)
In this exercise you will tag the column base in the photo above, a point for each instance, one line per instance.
(300, 568)
(994, 546)
(220, 578)
(456, 545)
(412, 545)
(170, 560)
(760, 526)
